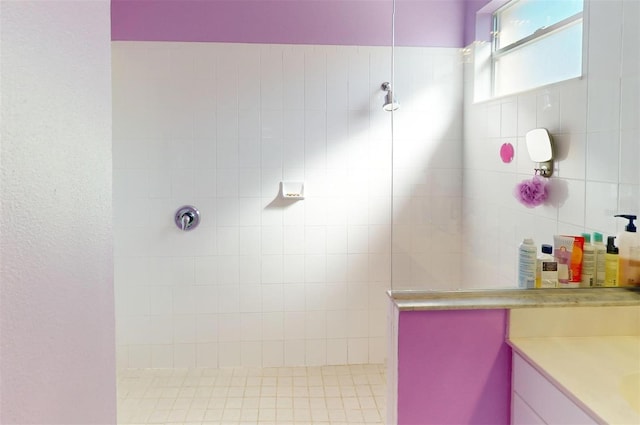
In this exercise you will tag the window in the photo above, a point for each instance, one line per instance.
(535, 42)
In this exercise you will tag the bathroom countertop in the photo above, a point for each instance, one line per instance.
(610, 391)
(408, 300)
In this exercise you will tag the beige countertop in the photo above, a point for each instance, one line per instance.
(600, 373)
(407, 300)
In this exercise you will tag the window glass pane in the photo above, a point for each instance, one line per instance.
(525, 17)
(555, 57)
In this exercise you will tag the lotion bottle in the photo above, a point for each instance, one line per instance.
(527, 264)
(588, 262)
(547, 268)
(600, 253)
(611, 263)
(629, 254)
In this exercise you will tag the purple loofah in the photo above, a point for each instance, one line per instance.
(531, 193)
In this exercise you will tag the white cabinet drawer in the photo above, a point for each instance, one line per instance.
(522, 414)
(544, 398)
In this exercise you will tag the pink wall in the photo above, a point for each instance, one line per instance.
(429, 23)
(454, 367)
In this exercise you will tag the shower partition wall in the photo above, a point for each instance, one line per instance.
(266, 281)
(427, 169)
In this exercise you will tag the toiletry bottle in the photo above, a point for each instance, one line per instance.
(611, 263)
(527, 264)
(547, 268)
(562, 247)
(588, 261)
(629, 254)
(600, 251)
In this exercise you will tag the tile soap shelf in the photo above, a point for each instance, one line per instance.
(292, 190)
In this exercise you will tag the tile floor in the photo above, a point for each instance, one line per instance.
(354, 394)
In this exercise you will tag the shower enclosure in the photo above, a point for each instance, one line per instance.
(268, 279)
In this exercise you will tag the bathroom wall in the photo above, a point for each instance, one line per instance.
(594, 123)
(419, 23)
(264, 281)
(57, 362)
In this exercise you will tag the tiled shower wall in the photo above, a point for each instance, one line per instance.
(265, 281)
(595, 126)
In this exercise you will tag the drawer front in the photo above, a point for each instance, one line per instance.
(544, 398)
(521, 413)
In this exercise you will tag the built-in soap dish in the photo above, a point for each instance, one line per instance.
(292, 190)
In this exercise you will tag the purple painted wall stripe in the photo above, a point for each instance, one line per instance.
(429, 23)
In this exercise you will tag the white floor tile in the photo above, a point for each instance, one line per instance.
(328, 395)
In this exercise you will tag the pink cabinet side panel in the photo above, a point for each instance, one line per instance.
(454, 367)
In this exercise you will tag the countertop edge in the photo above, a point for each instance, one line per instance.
(412, 300)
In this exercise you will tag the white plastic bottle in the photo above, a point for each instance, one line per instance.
(547, 268)
(588, 262)
(527, 260)
(601, 251)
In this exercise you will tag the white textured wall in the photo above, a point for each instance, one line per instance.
(262, 282)
(594, 122)
(57, 362)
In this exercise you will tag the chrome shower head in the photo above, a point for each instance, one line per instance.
(390, 102)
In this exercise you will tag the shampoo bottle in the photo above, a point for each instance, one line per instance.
(547, 269)
(629, 254)
(588, 262)
(527, 264)
(611, 263)
(600, 251)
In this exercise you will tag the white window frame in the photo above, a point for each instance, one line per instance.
(497, 53)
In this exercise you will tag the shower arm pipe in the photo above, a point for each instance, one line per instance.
(393, 43)
(393, 82)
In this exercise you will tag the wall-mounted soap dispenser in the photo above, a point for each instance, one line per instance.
(540, 148)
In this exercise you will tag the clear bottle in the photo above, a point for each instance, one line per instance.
(629, 254)
(527, 264)
(547, 268)
(588, 262)
(611, 263)
(600, 252)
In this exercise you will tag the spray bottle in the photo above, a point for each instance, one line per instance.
(629, 254)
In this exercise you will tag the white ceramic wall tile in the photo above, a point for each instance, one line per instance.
(603, 100)
(601, 206)
(573, 106)
(605, 38)
(307, 258)
(603, 150)
(629, 200)
(629, 102)
(595, 157)
(630, 37)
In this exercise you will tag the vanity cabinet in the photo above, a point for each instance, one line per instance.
(513, 356)
(536, 400)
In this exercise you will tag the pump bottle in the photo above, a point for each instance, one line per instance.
(629, 254)
(611, 263)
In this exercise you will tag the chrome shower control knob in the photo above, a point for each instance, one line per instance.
(187, 218)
